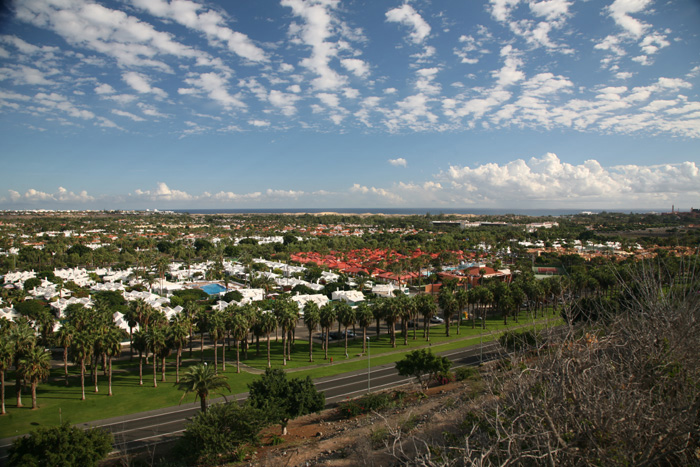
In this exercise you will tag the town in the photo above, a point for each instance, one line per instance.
(129, 293)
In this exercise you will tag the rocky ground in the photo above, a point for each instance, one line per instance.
(328, 440)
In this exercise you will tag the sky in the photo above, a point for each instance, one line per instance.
(512, 104)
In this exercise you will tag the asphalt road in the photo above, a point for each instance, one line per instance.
(136, 431)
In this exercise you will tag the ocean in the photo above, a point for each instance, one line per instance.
(409, 211)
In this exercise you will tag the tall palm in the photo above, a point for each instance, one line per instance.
(34, 366)
(23, 338)
(140, 345)
(426, 306)
(7, 353)
(312, 318)
(177, 336)
(448, 303)
(217, 329)
(462, 297)
(113, 348)
(268, 323)
(391, 313)
(238, 325)
(364, 317)
(81, 349)
(155, 339)
(202, 380)
(328, 315)
(346, 317)
(288, 320)
(64, 337)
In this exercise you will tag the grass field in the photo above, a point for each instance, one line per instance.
(60, 402)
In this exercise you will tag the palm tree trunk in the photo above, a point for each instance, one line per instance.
(2, 392)
(65, 364)
(82, 379)
(201, 346)
(284, 347)
(177, 365)
(140, 368)
(18, 388)
(311, 347)
(223, 355)
(268, 352)
(155, 368)
(364, 339)
(94, 373)
(34, 406)
(162, 369)
(238, 356)
(216, 358)
(110, 376)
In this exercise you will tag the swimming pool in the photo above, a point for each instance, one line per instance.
(213, 289)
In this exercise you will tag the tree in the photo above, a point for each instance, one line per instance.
(82, 347)
(140, 345)
(220, 431)
(449, 305)
(61, 445)
(327, 318)
(267, 323)
(113, 348)
(217, 328)
(364, 317)
(238, 324)
(346, 317)
(312, 318)
(34, 366)
(426, 307)
(421, 362)
(64, 337)
(285, 399)
(7, 353)
(156, 341)
(202, 380)
(177, 338)
(23, 339)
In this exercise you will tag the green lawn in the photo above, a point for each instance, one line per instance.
(57, 401)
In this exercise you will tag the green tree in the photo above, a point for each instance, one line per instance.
(112, 348)
(312, 318)
(156, 340)
(81, 349)
(202, 380)
(267, 323)
(61, 445)
(140, 344)
(177, 338)
(34, 366)
(216, 435)
(364, 316)
(346, 317)
(239, 325)
(328, 315)
(420, 363)
(23, 338)
(285, 399)
(428, 308)
(63, 338)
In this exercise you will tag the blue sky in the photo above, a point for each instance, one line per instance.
(331, 104)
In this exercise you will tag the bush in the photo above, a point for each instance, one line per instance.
(61, 445)
(374, 401)
(222, 431)
(466, 372)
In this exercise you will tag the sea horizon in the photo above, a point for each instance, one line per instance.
(535, 212)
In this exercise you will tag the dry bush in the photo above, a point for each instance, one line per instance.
(619, 391)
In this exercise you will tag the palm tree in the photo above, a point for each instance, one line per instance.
(23, 337)
(238, 325)
(64, 337)
(81, 348)
(202, 380)
(391, 314)
(426, 307)
(448, 303)
(326, 319)
(34, 367)
(312, 318)
(7, 353)
(462, 297)
(268, 323)
(140, 345)
(155, 339)
(346, 317)
(217, 329)
(113, 348)
(364, 317)
(177, 336)
(288, 320)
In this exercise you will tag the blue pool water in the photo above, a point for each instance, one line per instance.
(213, 289)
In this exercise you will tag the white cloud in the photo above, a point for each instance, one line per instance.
(103, 89)
(316, 33)
(60, 196)
(209, 22)
(163, 193)
(215, 87)
(406, 15)
(122, 113)
(550, 180)
(140, 83)
(259, 123)
(398, 162)
(620, 11)
(380, 193)
(358, 67)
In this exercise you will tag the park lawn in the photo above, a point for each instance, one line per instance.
(59, 402)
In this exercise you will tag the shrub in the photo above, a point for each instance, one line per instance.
(466, 372)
